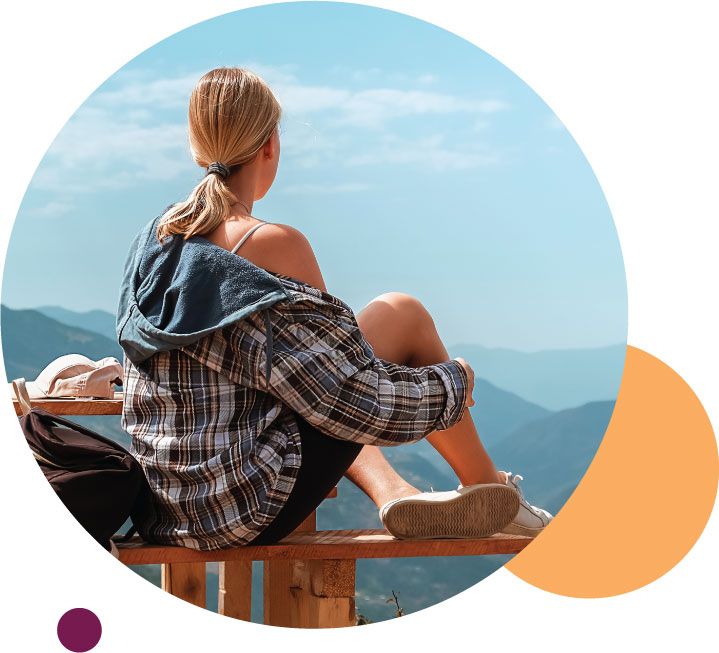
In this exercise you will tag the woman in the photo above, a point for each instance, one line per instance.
(250, 390)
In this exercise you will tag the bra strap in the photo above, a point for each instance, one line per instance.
(247, 235)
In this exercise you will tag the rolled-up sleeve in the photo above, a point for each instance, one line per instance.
(323, 368)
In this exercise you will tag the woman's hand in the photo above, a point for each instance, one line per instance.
(470, 376)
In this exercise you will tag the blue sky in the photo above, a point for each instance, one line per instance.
(411, 159)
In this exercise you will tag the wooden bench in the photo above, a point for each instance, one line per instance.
(309, 577)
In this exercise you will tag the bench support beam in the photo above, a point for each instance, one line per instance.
(186, 581)
(235, 594)
(277, 581)
(309, 593)
(323, 593)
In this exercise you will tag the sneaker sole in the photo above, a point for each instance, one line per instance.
(481, 511)
(523, 531)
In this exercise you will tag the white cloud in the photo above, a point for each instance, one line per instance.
(143, 88)
(327, 189)
(103, 149)
(429, 152)
(369, 108)
(158, 93)
(380, 74)
(134, 130)
(309, 99)
(52, 209)
(373, 108)
(427, 79)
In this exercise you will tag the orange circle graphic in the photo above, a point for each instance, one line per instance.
(644, 500)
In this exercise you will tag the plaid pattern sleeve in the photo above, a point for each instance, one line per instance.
(222, 451)
(323, 369)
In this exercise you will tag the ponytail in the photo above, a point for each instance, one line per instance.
(232, 114)
(205, 208)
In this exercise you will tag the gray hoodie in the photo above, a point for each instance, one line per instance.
(173, 294)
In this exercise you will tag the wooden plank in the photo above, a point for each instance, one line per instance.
(327, 545)
(323, 594)
(186, 581)
(234, 598)
(78, 406)
(277, 583)
(328, 578)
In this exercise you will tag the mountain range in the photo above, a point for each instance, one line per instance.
(556, 378)
(552, 379)
(31, 340)
(551, 449)
(96, 320)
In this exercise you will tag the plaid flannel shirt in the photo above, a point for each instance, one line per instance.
(221, 447)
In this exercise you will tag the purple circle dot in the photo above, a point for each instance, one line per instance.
(79, 630)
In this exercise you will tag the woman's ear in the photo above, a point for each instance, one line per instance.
(269, 149)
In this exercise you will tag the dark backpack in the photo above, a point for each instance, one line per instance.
(99, 481)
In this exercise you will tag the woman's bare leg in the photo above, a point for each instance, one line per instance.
(401, 330)
(372, 473)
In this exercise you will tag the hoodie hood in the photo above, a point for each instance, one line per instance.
(175, 293)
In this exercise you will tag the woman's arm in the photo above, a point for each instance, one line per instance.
(323, 368)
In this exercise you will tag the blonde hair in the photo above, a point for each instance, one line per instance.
(232, 115)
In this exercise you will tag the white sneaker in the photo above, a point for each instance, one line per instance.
(474, 511)
(530, 520)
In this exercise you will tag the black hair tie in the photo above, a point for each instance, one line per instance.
(219, 168)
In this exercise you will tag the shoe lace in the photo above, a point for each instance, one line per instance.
(514, 480)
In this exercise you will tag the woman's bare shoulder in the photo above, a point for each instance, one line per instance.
(286, 250)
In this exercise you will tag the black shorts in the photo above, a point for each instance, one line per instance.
(324, 461)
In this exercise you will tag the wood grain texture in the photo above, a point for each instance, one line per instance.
(323, 594)
(327, 545)
(278, 578)
(79, 406)
(234, 597)
(186, 581)
(326, 578)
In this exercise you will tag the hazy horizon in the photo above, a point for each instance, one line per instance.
(456, 344)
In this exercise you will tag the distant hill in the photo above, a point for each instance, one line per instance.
(99, 321)
(31, 340)
(498, 412)
(553, 453)
(550, 379)
(555, 379)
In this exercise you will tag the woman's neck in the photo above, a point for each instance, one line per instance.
(242, 184)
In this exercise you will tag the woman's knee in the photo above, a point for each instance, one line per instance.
(395, 324)
(411, 308)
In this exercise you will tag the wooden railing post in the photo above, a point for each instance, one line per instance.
(235, 593)
(186, 581)
(309, 593)
(277, 581)
(323, 593)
